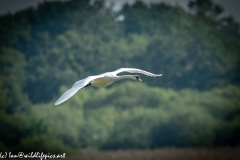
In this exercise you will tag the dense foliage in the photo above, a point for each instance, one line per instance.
(43, 51)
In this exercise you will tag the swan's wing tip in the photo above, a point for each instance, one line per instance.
(57, 103)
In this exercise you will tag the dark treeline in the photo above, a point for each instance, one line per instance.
(44, 50)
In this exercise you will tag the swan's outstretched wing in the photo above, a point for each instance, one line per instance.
(76, 86)
(134, 70)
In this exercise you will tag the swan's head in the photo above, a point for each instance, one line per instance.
(138, 78)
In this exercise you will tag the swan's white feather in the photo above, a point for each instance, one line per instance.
(66, 95)
(85, 81)
(134, 70)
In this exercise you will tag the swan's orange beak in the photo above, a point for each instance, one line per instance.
(139, 79)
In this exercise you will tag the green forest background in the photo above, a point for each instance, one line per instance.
(44, 50)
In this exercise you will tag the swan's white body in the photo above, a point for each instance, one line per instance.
(102, 80)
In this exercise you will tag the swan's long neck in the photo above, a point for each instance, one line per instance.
(117, 78)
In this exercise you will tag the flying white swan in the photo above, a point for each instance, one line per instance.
(102, 80)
